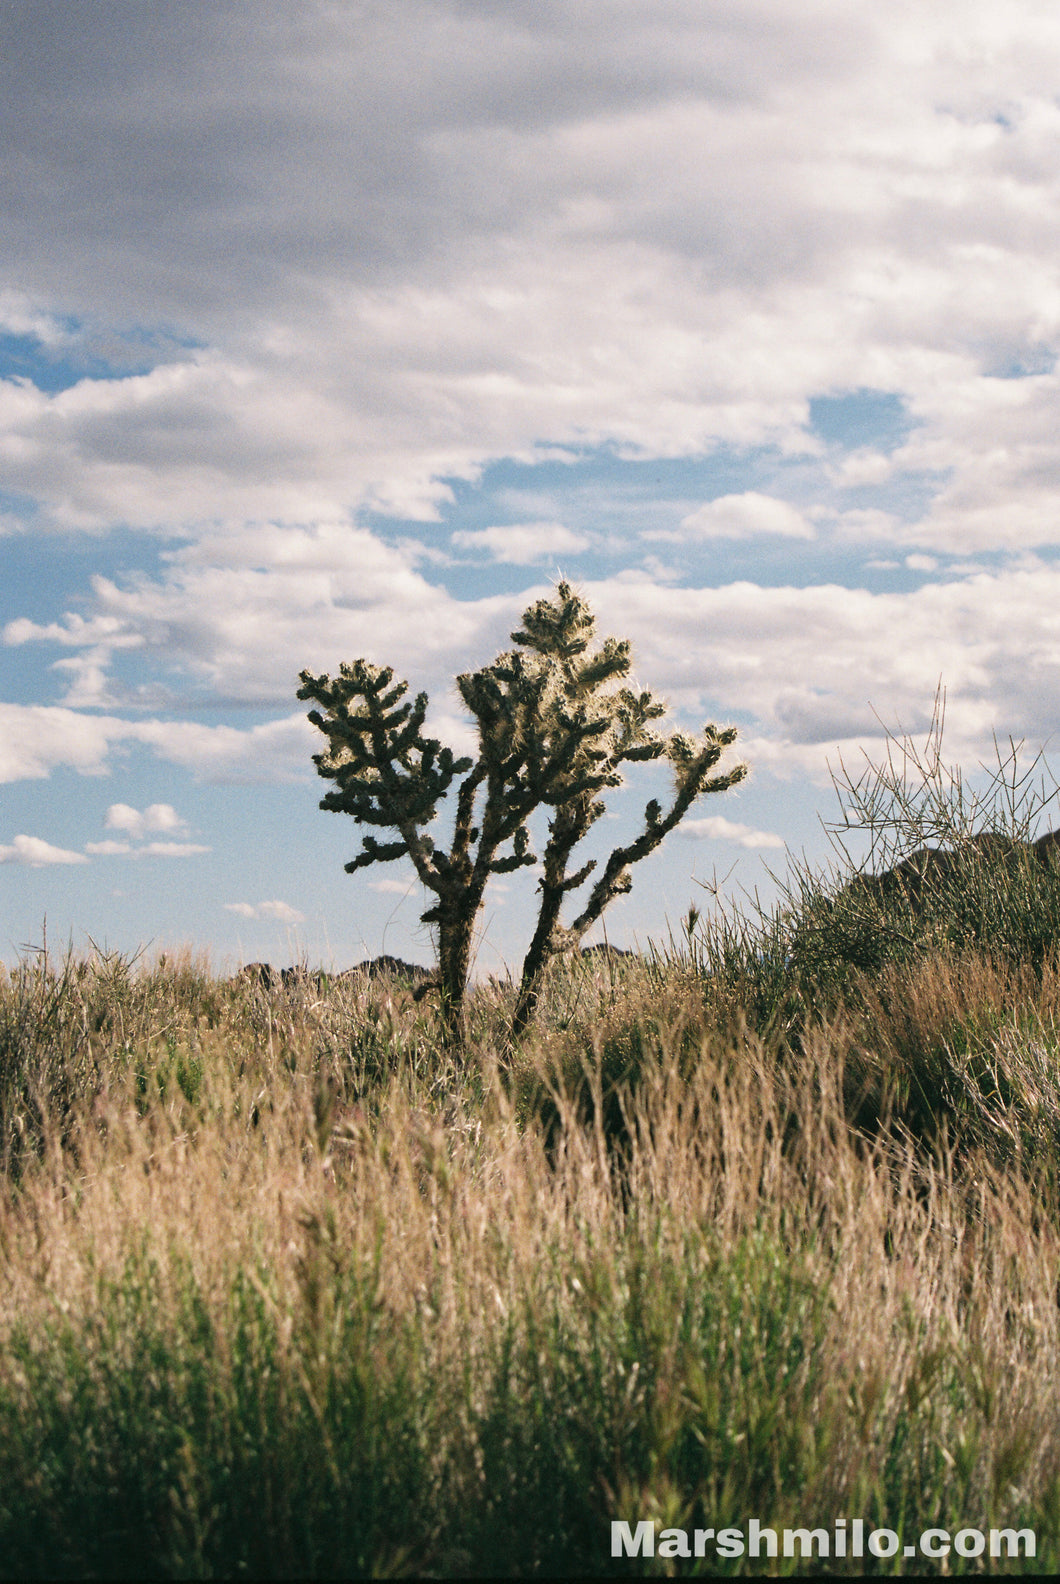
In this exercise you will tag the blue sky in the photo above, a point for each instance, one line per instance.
(744, 318)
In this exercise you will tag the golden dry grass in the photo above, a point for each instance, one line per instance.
(348, 1306)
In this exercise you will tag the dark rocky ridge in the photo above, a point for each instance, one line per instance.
(384, 966)
(268, 977)
(935, 864)
(930, 866)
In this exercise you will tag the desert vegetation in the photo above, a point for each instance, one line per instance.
(762, 1224)
(555, 724)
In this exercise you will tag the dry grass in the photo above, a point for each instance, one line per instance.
(285, 1291)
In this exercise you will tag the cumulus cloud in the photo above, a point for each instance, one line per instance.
(823, 666)
(239, 612)
(36, 739)
(172, 850)
(505, 240)
(808, 666)
(282, 912)
(158, 817)
(117, 849)
(19, 317)
(274, 751)
(743, 517)
(716, 828)
(522, 544)
(138, 825)
(34, 853)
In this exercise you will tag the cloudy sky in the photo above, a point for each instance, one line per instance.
(334, 328)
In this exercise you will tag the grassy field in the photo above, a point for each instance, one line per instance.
(767, 1227)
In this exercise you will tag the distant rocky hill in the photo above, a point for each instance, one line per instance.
(384, 966)
(930, 865)
(268, 977)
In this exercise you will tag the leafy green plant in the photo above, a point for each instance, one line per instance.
(556, 724)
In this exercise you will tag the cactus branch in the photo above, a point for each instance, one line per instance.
(556, 723)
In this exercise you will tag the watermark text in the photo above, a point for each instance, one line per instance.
(843, 1539)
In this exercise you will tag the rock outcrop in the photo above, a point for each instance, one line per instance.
(929, 866)
(394, 967)
(270, 978)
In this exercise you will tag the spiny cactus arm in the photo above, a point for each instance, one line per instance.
(692, 762)
(512, 705)
(588, 746)
(693, 759)
(505, 699)
(576, 769)
(464, 832)
(611, 661)
(387, 772)
(567, 827)
(635, 740)
(365, 687)
(545, 737)
(367, 734)
(580, 743)
(375, 852)
(505, 809)
(559, 628)
(519, 857)
(502, 697)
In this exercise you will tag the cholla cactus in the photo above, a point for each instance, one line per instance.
(555, 726)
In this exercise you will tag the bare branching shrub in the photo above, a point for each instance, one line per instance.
(949, 862)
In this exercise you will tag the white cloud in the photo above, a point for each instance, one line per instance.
(394, 887)
(275, 751)
(523, 544)
(138, 825)
(35, 853)
(282, 912)
(716, 828)
(671, 226)
(158, 817)
(743, 517)
(863, 466)
(35, 739)
(806, 665)
(172, 850)
(19, 317)
(116, 849)
(813, 666)
(240, 612)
